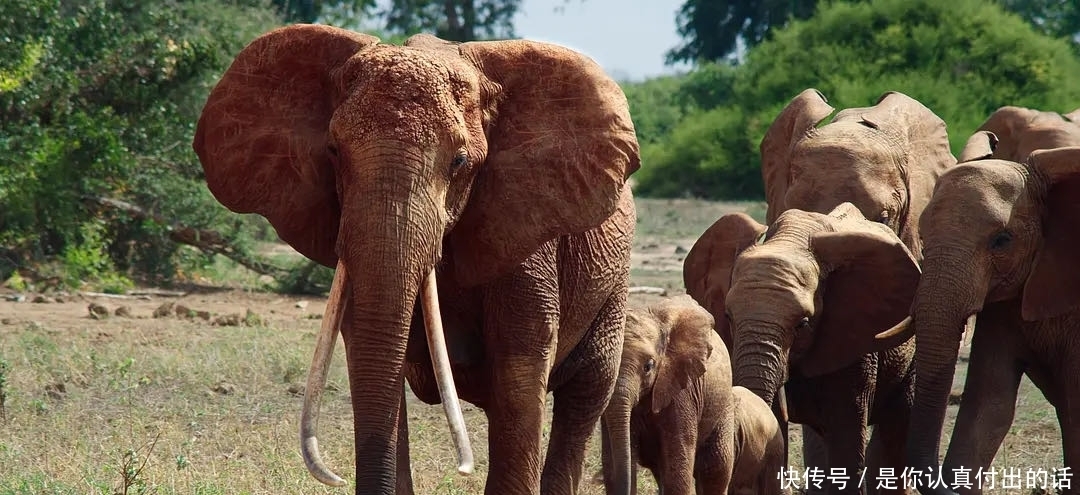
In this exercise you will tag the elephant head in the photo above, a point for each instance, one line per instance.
(388, 161)
(995, 231)
(811, 298)
(1019, 131)
(883, 159)
(666, 347)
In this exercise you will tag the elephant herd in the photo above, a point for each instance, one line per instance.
(474, 200)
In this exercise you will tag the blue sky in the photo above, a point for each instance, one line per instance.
(628, 38)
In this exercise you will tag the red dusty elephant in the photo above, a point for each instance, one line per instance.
(487, 179)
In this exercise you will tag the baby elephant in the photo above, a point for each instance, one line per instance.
(672, 409)
(759, 446)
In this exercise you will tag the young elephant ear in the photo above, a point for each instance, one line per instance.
(707, 267)
(560, 148)
(684, 349)
(868, 282)
(1053, 286)
(262, 136)
(798, 118)
(980, 146)
(1007, 123)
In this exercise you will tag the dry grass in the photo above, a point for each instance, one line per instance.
(209, 409)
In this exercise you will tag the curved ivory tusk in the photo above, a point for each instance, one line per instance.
(902, 329)
(444, 377)
(968, 332)
(316, 382)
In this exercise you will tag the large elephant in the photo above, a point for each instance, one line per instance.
(883, 159)
(672, 409)
(804, 303)
(487, 179)
(1020, 131)
(999, 243)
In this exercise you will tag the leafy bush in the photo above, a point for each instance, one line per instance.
(98, 99)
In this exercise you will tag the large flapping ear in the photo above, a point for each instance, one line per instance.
(798, 118)
(685, 343)
(560, 148)
(1053, 286)
(262, 136)
(980, 146)
(868, 283)
(707, 267)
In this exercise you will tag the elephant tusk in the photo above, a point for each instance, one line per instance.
(902, 329)
(968, 332)
(444, 376)
(316, 381)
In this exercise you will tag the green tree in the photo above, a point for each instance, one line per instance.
(1058, 18)
(454, 20)
(712, 30)
(98, 99)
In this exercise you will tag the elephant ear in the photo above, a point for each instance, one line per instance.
(1007, 123)
(707, 267)
(869, 280)
(1053, 286)
(262, 136)
(795, 121)
(560, 148)
(980, 146)
(684, 349)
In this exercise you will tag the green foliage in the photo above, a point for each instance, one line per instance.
(454, 20)
(962, 59)
(99, 99)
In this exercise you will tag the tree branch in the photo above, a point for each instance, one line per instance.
(208, 241)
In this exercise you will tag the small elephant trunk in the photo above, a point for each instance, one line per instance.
(759, 367)
(617, 423)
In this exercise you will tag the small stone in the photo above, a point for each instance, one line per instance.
(97, 311)
(123, 311)
(7, 321)
(59, 300)
(205, 315)
(184, 312)
(40, 299)
(164, 310)
(15, 298)
(680, 250)
(301, 304)
(231, 320)
(314, 316)
(224, 388)
(296, 389)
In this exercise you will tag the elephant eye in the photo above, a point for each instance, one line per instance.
(460, 160)
(884, 217)
(649, 365)
(1000, 240)
(804, 322)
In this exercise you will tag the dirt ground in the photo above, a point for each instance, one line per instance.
(208, 403)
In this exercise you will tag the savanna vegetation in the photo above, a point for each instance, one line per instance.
(98, 101)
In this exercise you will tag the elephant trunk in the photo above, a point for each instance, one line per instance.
(760, 365)
(617, 422)
(387, 261)
(943, 303)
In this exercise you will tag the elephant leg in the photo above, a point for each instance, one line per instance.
(404, 469)
(888, 442)
(581, 400)
(815, 454)
(851, 390)
(521, 317)
(988, 403)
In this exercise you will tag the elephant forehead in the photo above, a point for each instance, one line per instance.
(406, 91)
(978, 192)
(782, 272)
